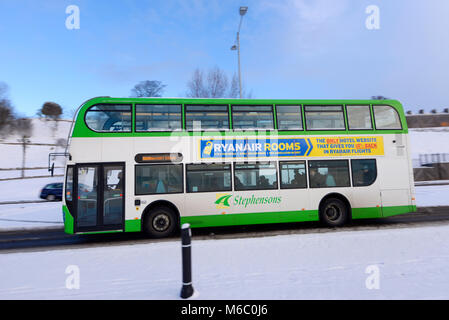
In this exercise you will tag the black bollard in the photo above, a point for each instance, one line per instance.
(186, 238)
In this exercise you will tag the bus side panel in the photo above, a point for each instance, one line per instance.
(295, 206)
(208, 209)
(395, 184)
(366, 201)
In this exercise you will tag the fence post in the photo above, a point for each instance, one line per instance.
(186, 239)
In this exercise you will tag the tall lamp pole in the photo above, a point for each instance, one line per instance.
(242, 12)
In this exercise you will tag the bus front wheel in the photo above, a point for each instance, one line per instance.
(334, 212)
(160, 222)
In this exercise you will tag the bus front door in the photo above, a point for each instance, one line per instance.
(99, 197)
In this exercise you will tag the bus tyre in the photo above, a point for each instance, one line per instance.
(160, 222)
(334, 212)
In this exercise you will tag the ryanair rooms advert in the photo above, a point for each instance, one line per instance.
(291, 147)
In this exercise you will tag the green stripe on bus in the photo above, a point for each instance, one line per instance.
(68, 220)
(366, 213)
(287, 216)
(250, 218)
(100, 232)
(133, 225)
(392, 211)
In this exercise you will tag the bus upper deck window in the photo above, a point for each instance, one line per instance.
(252, 117)
(109, 118)
(151, 117)
(205, 117)
(359, 117)
(386, 117)
(289, 117)
(324, 118)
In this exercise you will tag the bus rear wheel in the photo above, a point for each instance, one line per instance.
(159, 222)
(334, 212)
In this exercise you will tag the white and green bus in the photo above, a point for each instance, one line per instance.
(152, 164)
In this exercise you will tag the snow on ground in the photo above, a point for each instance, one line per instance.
(430, 196)
(8, 174)
(35, 156)
(428, 141)
(42, 141)
(24, 189)
(45, 131)
(31, 216)
(412, 263)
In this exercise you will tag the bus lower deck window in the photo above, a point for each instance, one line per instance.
(255, 176)
(159, 179)
(208, 177)
(293, 174)
(329, 173)
(364, 172)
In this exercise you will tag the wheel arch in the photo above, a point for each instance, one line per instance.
(337, 196)
(160, 203)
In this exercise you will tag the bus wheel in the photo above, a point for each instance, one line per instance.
(333, 212)
(159, 222)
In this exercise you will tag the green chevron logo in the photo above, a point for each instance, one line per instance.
(222, 201)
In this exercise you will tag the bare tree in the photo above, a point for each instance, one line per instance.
(6, 111)
(24, 129)
(148, 88)
(3, 90)
(6, 117)
(234, 89)
(214, 85)
(217, 83)
(195, 86)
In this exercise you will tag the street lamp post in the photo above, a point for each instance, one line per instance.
(242, 12)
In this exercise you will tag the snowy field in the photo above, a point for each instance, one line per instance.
(8, 174)
(428, 141)
(31, 216)
(45, 136)
(407, 263)
(24, 189)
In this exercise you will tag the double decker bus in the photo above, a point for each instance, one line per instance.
(152, 164)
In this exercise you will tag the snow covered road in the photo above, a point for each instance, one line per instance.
(412, 263)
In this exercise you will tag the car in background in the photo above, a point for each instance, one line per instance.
(52, 192)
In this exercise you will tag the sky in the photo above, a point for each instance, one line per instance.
(293, 49)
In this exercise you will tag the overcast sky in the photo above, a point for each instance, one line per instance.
(291, 49)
